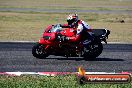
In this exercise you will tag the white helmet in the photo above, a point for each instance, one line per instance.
(72, 18)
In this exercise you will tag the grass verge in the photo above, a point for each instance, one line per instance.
(29, 26)
(67, 81)
(69, 4)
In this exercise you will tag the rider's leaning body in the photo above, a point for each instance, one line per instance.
(78, 25)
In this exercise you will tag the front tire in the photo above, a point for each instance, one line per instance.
(38, 51)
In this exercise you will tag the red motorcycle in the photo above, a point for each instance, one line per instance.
(53, 42)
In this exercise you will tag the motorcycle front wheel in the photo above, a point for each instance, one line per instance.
(38, 51)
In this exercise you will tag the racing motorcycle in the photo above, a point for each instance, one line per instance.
(53, 42)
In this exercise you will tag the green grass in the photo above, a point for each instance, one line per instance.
(100, 8)
(67, 4)
(29, 26)
(67, 81)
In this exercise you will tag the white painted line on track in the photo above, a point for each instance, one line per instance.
(56, 73)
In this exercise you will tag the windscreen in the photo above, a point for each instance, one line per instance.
(55, 28)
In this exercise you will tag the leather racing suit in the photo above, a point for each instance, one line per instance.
(79, 26)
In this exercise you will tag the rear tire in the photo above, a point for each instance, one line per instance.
(94, 51)
(38, 51)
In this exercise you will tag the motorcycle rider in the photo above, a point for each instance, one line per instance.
(79, 26)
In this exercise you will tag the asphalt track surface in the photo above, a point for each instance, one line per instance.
(18, 57)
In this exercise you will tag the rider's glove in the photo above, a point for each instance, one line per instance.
(60, 25)
(64, 38)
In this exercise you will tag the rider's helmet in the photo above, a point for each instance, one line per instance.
(72, 18)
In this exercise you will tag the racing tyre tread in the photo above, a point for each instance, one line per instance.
(35, 49)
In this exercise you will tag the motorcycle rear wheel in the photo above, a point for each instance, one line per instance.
(38, 51)
(94, 51)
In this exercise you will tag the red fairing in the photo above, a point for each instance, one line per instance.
(49, 41)
(65, 25)
(52, 35)
(49, 27)
(46, 34)
(41, 41)
(75, 38)
(71, 34)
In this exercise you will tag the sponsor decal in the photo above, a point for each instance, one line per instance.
(102, 78)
